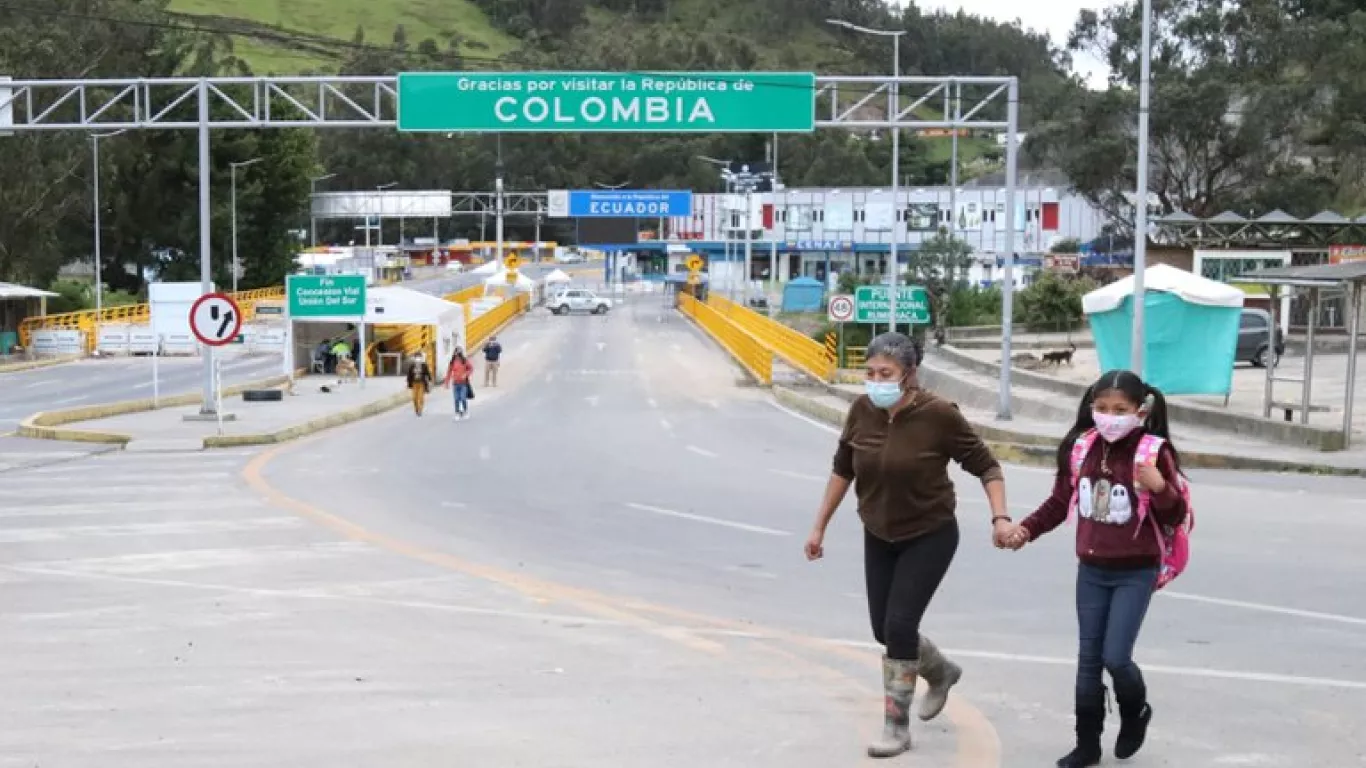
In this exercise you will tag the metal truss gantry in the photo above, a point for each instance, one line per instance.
(348, 101)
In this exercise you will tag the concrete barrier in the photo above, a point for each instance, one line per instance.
(29, 365)
(1036, 450)
(1181, 413)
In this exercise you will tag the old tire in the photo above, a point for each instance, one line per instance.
(263, 395)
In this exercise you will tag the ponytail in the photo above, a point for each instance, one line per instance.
(1157, 422)
(1084, 421)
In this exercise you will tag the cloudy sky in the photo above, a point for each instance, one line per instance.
(1053, 16)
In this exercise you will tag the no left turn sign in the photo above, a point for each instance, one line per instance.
(215, 319)
(841, 309)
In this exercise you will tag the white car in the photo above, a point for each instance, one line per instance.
(578, 300)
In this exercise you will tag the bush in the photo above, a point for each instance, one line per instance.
(1052, 302)
(968, 306)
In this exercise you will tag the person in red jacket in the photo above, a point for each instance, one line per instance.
(458, 375)
(1119, 557)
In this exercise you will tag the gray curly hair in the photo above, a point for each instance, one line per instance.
(898, 347)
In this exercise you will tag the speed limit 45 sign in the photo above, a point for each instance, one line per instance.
(215, 319)
(841, 308)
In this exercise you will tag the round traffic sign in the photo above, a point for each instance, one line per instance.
(694, 263)
(841, 308)
(511, 261)
(215, 319)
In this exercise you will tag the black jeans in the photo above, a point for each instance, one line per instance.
(902, 576)
(1111, 604)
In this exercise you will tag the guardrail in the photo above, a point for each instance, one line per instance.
(750, 352)
(466, 294)
(478, 330)
(855, 357)
(88, 320)
(805, 354)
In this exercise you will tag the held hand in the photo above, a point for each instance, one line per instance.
(1017, 538)
(815, 548)
(1150, 479)
(1000, 531)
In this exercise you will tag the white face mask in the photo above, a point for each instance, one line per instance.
(1114, 428)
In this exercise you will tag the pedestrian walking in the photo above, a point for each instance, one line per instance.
(895, 448)
(493, 353)
(1119, 471)
(419, 381)
(458, 375)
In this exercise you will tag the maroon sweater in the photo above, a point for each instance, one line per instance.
(1108, 533)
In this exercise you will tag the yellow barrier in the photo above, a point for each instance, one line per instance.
(804, 353)
(88, 320)
(855, 357)
(744, 347)
(466, 294)
(481, 328)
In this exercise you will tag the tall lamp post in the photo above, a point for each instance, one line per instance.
(313, 220)
(893, 115)
(378, 188)
(237, 265)
(1136, 350)
(95, 182)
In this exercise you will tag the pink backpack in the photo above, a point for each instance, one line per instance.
(1174, 540)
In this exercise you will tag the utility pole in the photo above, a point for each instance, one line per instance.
(1136, 345)
(99, 265)
(312, 219)
(232, 170)
(498, 191)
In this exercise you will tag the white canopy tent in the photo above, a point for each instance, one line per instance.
(488, 268)
(1160, 277)
(524, 284)
(389, 305)
(558, 276)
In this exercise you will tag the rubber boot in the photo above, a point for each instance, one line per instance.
(898, 685)
(939, 675)
(1090, 726)
(1135, 714)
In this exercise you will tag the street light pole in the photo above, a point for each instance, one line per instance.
(99, 274)
(1136, 350)
(380, 225)
(232, 171)
(312, 219)
(894, 118)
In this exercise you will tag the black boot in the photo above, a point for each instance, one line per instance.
(1135, 714)
(1090, 725)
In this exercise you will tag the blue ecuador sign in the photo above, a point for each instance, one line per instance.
(607, 203)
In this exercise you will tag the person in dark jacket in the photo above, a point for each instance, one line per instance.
(419, 381)
(493, 353)
(1119, 556)
(895, 448)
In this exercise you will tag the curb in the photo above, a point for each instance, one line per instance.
(46, 425)
(353, 414)
(31, 365)
(1040, 451)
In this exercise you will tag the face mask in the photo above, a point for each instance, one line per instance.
(1114, 428)
(884, 394)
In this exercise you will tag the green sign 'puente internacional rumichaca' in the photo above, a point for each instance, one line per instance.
(624, 102)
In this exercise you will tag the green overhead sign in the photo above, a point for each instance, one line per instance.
(872, 305)
(607, 102)
(325, 295)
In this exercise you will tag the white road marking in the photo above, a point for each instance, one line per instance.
(178, 528)
(1337, 617)
(549, 377)
(799, 475)
(803, 417)
(453, 504)
(702, 452)
(665, 424)
(602, 346)
(54, 484)
(652, 403)
(69, 400)
(485, 453)
(708, 520)
(57, 491)
(194, 559)
(41, 383)
(121, 507)
(592, 400)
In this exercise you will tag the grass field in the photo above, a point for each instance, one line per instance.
(339, 19)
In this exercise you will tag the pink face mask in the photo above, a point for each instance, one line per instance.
(1115, 428)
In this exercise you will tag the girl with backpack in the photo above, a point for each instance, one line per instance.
(1118, 470)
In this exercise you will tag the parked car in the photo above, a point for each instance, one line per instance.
(1254, 339)
(579, 300)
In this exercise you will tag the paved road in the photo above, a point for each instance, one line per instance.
(602, 567)
(90, 382)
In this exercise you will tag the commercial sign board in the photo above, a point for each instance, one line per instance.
(1338, 254)
(618, 203)
(871, 304)
(607, 102)
(325, 295)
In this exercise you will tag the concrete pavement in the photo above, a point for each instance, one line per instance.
(603, 567)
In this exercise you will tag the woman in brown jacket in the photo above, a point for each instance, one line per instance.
(895, 449)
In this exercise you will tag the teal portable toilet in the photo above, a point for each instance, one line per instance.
(1190, 329)
(804, 294)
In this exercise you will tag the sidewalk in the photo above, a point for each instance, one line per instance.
(308, 410)
(1033, 439)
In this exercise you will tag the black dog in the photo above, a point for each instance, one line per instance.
(1061, 356)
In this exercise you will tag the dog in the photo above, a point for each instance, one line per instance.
(1061, 356)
